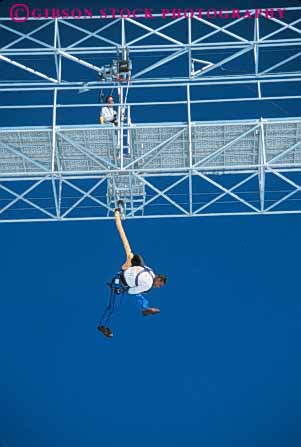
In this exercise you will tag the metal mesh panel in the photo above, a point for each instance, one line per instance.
(86, 149)
(207, 140)
(34, 145)
(281, 136)
(127, 184)
(161, 147)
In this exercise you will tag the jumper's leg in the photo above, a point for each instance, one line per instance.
(109, 310)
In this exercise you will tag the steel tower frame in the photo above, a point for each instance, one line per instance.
(160, 169)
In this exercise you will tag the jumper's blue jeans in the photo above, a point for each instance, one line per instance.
(114, 303)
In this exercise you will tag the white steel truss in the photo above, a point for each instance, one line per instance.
(173, 170)
(159, 168)
(220, 47)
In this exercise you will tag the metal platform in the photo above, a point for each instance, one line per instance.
(246, 167)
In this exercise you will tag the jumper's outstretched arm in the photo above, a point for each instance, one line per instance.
(125, 242)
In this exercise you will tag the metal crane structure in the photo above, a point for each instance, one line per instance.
(162, 159)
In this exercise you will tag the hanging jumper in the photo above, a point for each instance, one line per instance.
(134, 279)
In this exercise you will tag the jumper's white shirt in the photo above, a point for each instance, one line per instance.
(145, 280)
(108, 114)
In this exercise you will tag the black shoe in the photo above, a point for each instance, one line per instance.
(150, 311)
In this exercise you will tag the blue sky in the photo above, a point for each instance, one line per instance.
(220, 366)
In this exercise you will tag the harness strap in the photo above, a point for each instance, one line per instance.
(118, 284)
(122, 280)
(145, 269)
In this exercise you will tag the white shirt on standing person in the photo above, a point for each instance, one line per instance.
(108, 114)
